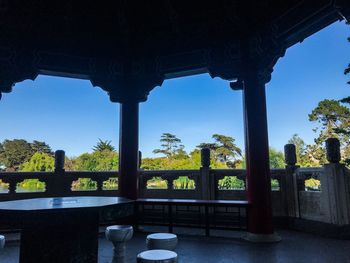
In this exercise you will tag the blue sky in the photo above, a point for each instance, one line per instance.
(70, 114)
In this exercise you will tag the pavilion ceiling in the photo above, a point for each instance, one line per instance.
(132, 43)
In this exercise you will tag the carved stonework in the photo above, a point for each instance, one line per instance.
(205, 157)
(333, 150)
(16, 65)
(290, 154)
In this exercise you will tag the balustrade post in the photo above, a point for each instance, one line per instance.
(59, 161)
(290, 182)
(335, 186)
(57, 186)
(140, 160)
(205, 183)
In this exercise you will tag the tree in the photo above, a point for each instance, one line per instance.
(171, 146)
(15, 152)
(97, 161)
(41, 147)
(301, 150)
(346, 131)
(39, 162)
(276, 158)
(224, 150)
(334, 120)
(103, 146)
(331, 116)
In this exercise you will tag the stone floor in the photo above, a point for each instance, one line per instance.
(295, 247)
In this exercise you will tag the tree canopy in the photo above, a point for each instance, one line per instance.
(170, 146)
(15, 152)
(39, 162)
(103, 146)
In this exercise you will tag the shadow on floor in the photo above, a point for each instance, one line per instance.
(294, 247)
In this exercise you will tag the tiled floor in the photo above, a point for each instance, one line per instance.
(295, 247)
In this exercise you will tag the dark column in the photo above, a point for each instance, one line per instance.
(129, 149)
(257, 156)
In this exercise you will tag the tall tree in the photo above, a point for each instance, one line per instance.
(331, 116)
(301, 149)
(171, 146)
(276, 158)
(14, 153)
(224, 150)
(103, 146)
(41, 147)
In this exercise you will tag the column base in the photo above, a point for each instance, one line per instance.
(262, 238)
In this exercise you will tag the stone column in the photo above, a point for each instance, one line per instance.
(129, 149)
(207, 184)
(59, 161)
(260, 227)
(335, 187)
(290, 187)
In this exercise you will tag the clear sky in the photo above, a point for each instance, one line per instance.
(70, 114)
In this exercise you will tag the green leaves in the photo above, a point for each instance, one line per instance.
(103, 146)
(224, 150)
(171, 146)
(39, 162)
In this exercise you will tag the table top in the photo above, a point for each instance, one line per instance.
(58, 203)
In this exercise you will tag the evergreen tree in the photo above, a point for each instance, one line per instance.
(103, 146)
(171, 146)
(224, 150)
(41, 147)
(15, 152)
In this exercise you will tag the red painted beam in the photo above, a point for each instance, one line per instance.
(257, 156)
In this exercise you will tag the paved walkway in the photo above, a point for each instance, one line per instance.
(295, 247)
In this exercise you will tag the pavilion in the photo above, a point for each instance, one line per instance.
(129, 47)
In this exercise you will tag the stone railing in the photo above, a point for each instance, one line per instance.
(20, 185)
(309, 195)
(170, 184)
(318, 194)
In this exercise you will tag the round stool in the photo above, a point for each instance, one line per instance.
(118, 235)
(157, 256)
(164, 241)
(2, 242)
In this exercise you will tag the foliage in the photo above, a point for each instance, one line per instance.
(312, 184)
(84, 184)
(184, 183)
(231, 183)
(157, 183)
(103, 146)
(276, 158)
(41, 147)
(39, 162)
(224, 150)
(171, 146)
(275, 185)
(334, 122)
(4, 187)
(97, 161)
(15, 152)
(110, 184)
(30, 185)
(331, 116)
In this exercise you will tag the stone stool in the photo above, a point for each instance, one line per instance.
(164, 241)
(118, 235)
(2, 242)
(157, 256)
